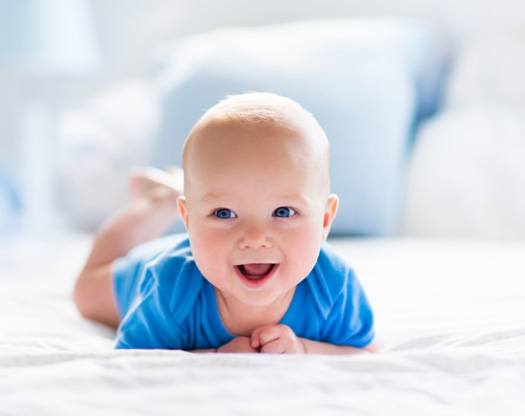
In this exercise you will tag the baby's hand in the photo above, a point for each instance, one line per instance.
(239, 344)
(277, 339)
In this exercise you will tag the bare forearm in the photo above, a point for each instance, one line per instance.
(316, 347)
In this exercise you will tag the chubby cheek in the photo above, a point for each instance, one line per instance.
(210, 255)
(299, 246)
(302, 251)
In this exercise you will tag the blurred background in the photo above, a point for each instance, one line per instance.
(91, 88)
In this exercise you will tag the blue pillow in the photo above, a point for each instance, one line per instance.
(367, 82)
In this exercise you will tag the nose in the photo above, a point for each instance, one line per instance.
(255, 236)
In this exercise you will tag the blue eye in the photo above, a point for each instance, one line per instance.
(224, 213)
(284, 212)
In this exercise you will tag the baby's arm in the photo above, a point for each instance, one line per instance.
(238, 344)
(144, 218)
(279, 339)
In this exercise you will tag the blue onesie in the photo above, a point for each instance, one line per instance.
(165, 302)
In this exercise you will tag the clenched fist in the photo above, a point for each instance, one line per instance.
(276, 339)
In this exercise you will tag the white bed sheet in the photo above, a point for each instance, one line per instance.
(450, 327)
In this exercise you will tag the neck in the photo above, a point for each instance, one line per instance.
(241, 319)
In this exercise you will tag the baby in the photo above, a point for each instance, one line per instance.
(253, 273)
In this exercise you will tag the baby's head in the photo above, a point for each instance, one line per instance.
(256, 192)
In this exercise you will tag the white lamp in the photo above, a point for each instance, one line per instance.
(43, 42)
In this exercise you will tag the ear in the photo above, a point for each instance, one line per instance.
(183, 210)
(332, 203)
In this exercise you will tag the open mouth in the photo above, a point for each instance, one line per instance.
(255, 274)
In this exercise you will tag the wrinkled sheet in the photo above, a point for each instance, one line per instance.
(450, 327)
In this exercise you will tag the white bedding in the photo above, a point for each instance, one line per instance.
(450, 326)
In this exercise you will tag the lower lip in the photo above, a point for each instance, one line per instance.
(258, 282)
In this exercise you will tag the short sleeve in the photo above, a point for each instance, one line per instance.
(128, 271)
(351, 320)
(149, 323)
(126, 274)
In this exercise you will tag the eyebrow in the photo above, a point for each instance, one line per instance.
(299, 197)
(211, 196)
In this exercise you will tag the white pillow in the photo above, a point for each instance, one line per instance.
(489, 70)
(466, 176)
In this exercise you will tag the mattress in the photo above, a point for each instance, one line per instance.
(450, 325)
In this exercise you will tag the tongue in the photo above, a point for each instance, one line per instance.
(257, 269)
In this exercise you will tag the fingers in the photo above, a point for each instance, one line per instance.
(277, 339)
(265, 334)
(255, 342)
(277, 346)
(268, 333)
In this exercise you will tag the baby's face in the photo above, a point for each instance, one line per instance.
(255, 209)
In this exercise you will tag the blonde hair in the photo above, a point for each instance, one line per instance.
(258, 107)
(264, 108)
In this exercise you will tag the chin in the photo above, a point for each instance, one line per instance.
(260, 299)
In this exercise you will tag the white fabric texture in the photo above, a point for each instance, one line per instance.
(450, 329)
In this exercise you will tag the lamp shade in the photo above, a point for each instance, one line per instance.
(47, 37)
